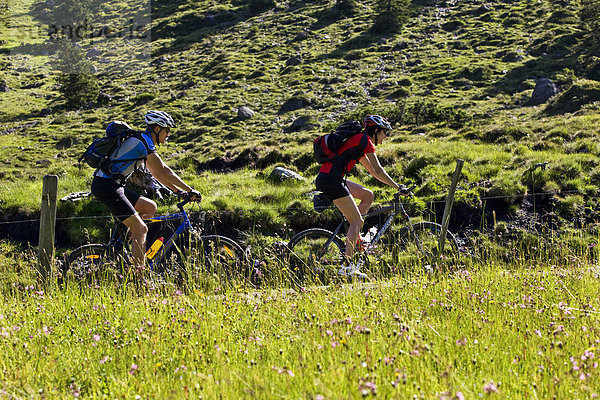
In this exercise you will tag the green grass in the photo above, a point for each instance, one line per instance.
(521, 330)
(518, 320)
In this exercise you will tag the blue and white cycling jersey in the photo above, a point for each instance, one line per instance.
(133, 148)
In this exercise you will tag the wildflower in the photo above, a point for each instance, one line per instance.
(367, 388)
(490, 387)
(182, 368)
(587, 355)
(558, 330)
(104, 360)
(283, 370)
(96, 338)
(133, 369)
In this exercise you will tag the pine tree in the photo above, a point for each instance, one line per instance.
(76, 82)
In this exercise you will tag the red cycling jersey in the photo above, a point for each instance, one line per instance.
(353, 149)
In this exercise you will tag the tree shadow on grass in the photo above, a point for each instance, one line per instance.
(551, 57)
(191, 28)
(541, 67)
(363, 41)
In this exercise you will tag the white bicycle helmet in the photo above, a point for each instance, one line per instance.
(159, 118)
(377, 120)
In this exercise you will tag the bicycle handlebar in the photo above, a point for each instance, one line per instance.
(186, 198)
(404, 191)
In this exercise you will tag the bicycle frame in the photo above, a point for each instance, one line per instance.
(394, 209)
(115, 239)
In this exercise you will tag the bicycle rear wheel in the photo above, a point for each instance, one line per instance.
(423, 250)
(315, 250)
(90, 261)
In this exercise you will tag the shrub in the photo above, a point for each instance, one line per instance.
(144, 98)
(391, 15)
(258, 6)
(476, 73)
(345, 7)
(422, 112)
(590, 23)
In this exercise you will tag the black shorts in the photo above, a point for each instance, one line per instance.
(332, 185)
(120, 201)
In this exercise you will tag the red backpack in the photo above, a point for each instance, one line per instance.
(325, 146)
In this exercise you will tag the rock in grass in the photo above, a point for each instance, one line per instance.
(245, 113)
(302, 123)
(295, 60)
(544, 90)
(281, 174)
(297, 102)
(4, 87)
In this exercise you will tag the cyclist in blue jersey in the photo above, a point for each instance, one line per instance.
(129, 206)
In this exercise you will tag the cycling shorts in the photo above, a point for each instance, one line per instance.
(120, 201)
(332, 185)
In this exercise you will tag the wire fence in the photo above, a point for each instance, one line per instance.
(280, 209)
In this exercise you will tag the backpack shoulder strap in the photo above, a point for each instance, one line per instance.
(139, 136)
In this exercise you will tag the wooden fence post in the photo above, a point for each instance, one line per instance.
(449, 203)
(47, 226)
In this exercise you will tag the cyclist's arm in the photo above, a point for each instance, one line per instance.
(164, 174)
(371, 163)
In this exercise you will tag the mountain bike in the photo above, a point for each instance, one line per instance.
(176, 249)
(316, 250)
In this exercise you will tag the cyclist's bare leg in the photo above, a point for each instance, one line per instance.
(350, 210)
(138, 230)
(146, 207)
(360, 192)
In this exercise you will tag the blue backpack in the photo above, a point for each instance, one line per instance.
(98, 154)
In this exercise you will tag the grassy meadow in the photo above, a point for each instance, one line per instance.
(516, 317)
(495, 330)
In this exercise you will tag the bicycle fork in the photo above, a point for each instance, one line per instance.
(412, 229)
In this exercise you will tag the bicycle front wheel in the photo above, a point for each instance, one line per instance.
(88, 262)
(422, 247)
(315, 250)
(213, 254)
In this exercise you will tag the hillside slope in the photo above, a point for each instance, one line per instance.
(456, 81)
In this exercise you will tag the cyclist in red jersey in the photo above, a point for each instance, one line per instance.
(332, 181)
